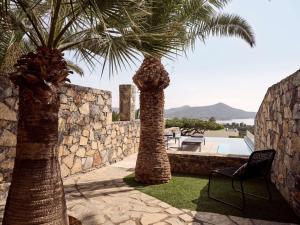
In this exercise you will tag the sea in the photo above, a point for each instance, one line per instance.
(246, 121)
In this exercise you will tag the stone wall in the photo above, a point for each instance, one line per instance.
(8, 130)
(87, 136)
(201, 163)
(277, 126)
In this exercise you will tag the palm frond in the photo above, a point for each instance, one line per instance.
(116, 32)
(73, 66)
(231, 25)
(5, 43)
(220, 4)
(28, 8)
(201, 21)
(93, 28)
(10, 50)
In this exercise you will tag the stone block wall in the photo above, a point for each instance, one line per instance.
(87, 136)
(202, 163)
(8, 130)
(277, 126)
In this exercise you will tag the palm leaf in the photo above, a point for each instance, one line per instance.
(116, 32)
(73, 66)
(230, 25)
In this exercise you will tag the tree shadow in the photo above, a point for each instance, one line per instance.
(74, 221)
(81, 194)
(86, 219)
(276, 210)
(94, 189)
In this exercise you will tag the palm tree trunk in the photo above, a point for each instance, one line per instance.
(36, 194)
(152, 165)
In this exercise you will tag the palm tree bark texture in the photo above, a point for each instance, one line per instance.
(36, 194)
(152, 166)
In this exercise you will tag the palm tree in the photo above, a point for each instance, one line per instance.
(48, 28)
(186, 21)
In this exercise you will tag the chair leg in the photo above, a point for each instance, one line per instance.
(243, 195)
(232, 184)
(268, 189)
(227, 203)
(209, 181)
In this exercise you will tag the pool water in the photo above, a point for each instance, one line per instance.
(233, 146)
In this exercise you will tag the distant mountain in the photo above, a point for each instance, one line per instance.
(219, 111)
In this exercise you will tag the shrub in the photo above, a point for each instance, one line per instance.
(115, 116)
(193, 126)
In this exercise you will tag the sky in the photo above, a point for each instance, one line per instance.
(225, 69)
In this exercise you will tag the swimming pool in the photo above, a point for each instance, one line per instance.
(233, 146)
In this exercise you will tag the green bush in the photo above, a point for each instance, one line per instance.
(115, 116)
(193, 126)
(137, 114)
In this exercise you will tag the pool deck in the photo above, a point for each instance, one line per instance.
(212, 145)
(209, 147)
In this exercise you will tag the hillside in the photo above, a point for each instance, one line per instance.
(219, 111)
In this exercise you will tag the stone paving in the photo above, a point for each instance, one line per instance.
(101, 197)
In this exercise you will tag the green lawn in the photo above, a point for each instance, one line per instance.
(190, 192)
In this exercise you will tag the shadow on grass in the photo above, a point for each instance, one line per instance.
(275, 210)
(190, 192)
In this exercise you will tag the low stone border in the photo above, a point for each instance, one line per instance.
(202, 163)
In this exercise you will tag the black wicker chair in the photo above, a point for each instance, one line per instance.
(258, 166)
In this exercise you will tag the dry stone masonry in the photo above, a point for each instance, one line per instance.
(8, 129)
(202, 163)
(277, 126)
(87, 136)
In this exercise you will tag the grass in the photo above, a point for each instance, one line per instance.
(190, 192)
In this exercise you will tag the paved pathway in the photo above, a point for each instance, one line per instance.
(101, 197)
